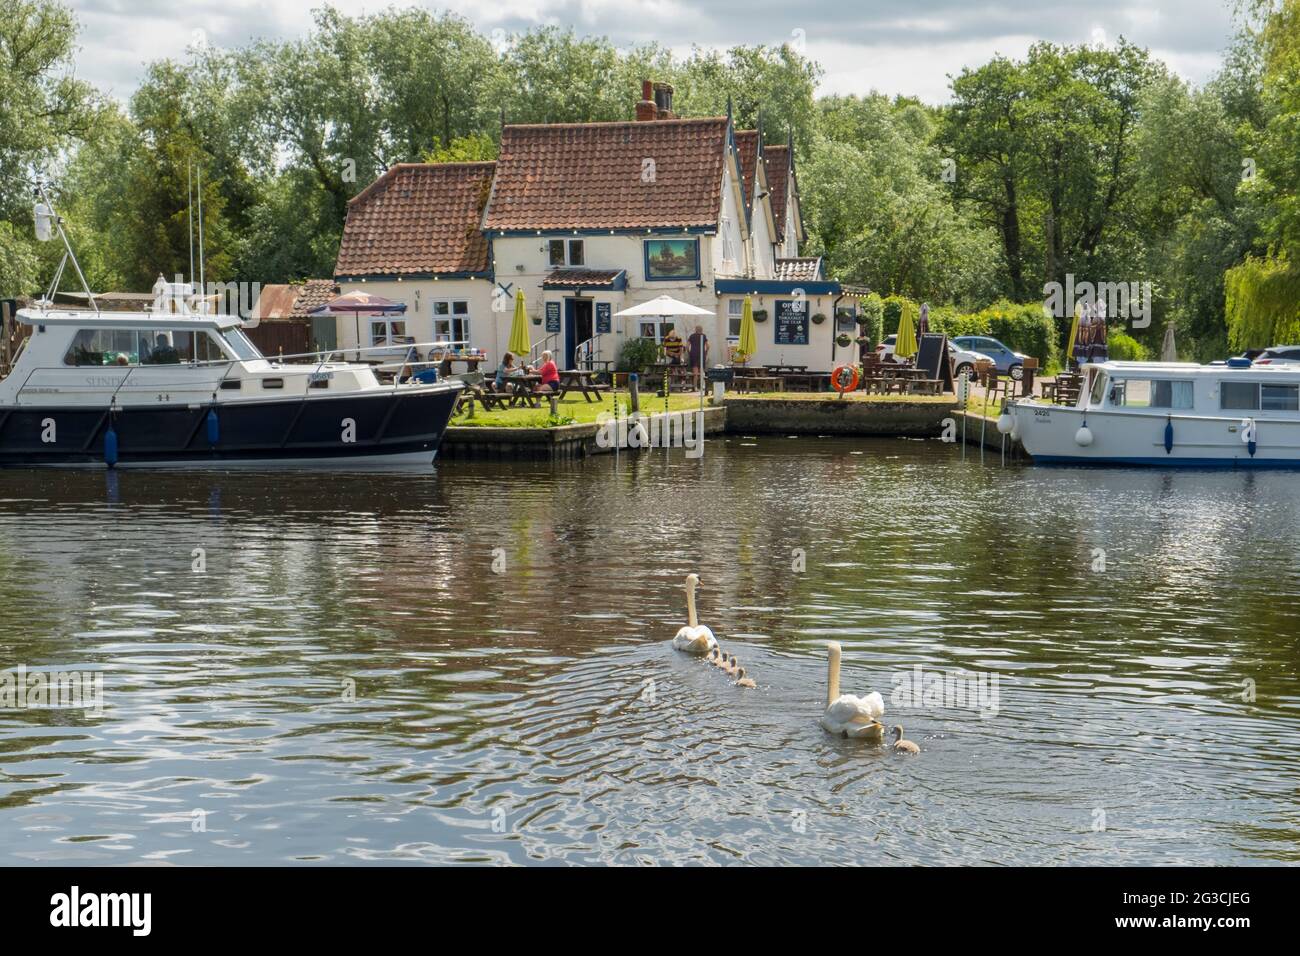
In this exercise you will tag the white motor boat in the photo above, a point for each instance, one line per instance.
(1169, 414)
(179, 387)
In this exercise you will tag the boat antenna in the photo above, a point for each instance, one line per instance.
(47, 219)
(203, 287)
(189, 202)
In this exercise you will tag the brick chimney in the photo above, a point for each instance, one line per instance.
(664, 101)
(646, 108)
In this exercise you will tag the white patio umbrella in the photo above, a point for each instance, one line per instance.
(665, 306)
(1168, 351)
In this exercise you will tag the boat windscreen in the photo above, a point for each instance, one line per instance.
(1098, 387)
(241, 345)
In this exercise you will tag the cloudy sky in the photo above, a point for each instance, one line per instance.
(903, 46)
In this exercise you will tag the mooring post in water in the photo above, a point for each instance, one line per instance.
(634, 392)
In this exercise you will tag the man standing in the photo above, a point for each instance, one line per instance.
(673, 346)
(698, 344)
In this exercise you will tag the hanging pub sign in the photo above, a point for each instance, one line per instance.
(552, 317)
(604, 324)
(791, 324)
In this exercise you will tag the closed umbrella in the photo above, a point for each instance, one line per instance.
(1168, 350)
(905, 343)
(519, 343)
(748, 344)
(1074, 335)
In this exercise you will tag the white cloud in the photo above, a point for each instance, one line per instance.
(867, 44)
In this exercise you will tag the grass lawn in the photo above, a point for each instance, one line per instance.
(574, 410)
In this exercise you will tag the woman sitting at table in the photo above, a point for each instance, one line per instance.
(506, 369)
(549, 373)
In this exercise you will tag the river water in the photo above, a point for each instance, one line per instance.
(474, 665)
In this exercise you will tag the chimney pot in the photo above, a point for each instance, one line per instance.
(646, 109)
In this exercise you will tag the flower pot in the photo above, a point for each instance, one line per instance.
(760, 315)
(818, 318)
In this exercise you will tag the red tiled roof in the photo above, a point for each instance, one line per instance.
(284, 302)
(587, 278)
(592, 175)
(312, 293)
(747, 148)
(777, 168)
(803, 269)
(418, 218)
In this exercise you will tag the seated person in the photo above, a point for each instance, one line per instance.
(506, 369)
(673, 345)
(163, 353)
(549, 373)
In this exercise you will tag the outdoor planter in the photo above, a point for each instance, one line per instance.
(818, 318)
(843, 340)
(760, 315)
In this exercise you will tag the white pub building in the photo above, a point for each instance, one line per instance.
(589, 219)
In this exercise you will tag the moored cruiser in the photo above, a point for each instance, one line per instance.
(180, 387)
(1171, 414)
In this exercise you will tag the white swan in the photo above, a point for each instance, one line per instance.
(846, 715)
(694, 638)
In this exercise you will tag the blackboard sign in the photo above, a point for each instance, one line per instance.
(720, 373)
(552, 317)
(791, 321)
(604, 324)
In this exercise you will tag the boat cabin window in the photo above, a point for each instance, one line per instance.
(1151, 393)
(1249, 396)
(160, 346)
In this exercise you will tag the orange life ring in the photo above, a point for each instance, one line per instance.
(838, 378)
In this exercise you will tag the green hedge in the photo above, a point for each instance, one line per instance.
(636, 354)
(1023, 327)
(1125, 348)
(871, 316)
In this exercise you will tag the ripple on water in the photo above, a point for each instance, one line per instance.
(349, 681)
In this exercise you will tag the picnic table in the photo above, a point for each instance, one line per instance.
(523, 387)
(756, 383)
(805, 381)
(1064, 389)
(887, 378)
(581, 380)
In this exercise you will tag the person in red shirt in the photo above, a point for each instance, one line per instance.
(549, 373)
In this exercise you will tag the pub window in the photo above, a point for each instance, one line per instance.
(569, 252)
(451, 321)
(735, 309)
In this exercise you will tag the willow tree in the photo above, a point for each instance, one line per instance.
(1263, 293)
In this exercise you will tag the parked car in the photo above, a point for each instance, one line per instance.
(1006, 361)
(1277, 355)
(963, 360)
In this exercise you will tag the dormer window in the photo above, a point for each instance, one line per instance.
(567, 252)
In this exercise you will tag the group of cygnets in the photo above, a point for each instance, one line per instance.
(846, 715)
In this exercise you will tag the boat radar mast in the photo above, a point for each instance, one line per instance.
(48, 222)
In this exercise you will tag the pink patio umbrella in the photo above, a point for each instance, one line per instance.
(356, 304)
